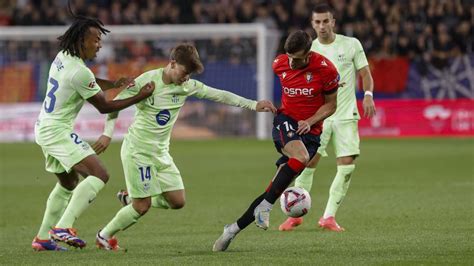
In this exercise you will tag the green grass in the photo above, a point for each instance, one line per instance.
(411, 202)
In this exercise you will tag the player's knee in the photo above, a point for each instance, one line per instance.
(177, 204)
(302, 157)
(102, 174)
(69, 184)
(142, 206)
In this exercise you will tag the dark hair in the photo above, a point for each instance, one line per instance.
(186, 54)
(297, 41)
(72, 39)
(323, 8)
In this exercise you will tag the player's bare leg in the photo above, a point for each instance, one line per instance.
(125, 218)
(299, 157)
(304, 180)
(84, 194)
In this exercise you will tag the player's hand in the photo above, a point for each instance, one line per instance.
(147, 90)
(125, 81)
(101, 144)
(265, 106)
(369, 106)
(303, 127)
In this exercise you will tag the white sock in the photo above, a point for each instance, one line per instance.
(265, 204)
(234, 228)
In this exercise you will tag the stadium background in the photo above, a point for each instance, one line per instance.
(418, 50)
(411, 201)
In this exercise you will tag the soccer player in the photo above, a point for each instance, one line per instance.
(309, 84)
(152, 178)
(70, 83)
(340, 129)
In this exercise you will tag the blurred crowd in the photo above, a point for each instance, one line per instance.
(425, 30)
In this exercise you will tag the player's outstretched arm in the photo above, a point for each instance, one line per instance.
(226, 97)
(368, 84)
(108, 84)
(105, 106)
(326, 110)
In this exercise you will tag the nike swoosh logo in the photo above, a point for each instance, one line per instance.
(91, 200)
(338, 202)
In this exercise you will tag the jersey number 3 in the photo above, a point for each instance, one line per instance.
(49, 108)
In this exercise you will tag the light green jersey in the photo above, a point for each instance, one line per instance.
(156, 115)
(70, 83)
(347, 54)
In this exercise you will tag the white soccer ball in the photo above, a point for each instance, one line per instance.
(295, 202)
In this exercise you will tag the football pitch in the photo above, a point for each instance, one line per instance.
(411, 201)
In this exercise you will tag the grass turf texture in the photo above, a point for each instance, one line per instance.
(410, 202)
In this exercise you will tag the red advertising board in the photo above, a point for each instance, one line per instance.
(412, 118)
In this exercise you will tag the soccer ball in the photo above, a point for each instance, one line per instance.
(295, 202)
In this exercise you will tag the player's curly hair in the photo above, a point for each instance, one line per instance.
(71, 41)
(298, 41)
(187, 55)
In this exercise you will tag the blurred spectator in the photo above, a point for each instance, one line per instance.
(432, 30)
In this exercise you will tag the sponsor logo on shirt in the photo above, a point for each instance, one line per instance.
(292, 92)
(163, 117)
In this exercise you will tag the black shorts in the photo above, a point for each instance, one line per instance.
(284, 131)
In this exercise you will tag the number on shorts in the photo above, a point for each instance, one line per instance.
(49, 108)
(76, 138)
(145, 173)
(288, 126)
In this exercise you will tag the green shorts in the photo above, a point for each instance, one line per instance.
(62, 148)
(344, 136)
(148, 174)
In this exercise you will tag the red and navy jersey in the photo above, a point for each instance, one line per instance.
(303, 89)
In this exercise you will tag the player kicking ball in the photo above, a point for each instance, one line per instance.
(340, 129)
(309, 84)
(152, 178)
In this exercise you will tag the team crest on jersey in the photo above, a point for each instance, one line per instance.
(323, 63)
(341, 58)
(309, 77)
(175, 98)
(283, 75)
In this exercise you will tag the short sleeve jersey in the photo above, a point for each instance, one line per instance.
(70, 83)
(347, 54)
(156, 115)
(303, 89)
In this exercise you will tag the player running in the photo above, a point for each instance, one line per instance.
(70, 84)
(152, 178)
(340, 129)
(309, 84)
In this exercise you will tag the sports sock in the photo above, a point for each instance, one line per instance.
(125, 217)
(338, 189)
(234, 228)
(55, 206)
(248, 218)
(283, 179)
(159, 201)
(82, 197)
(305, 179)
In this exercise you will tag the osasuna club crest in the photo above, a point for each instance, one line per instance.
(309, 77)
